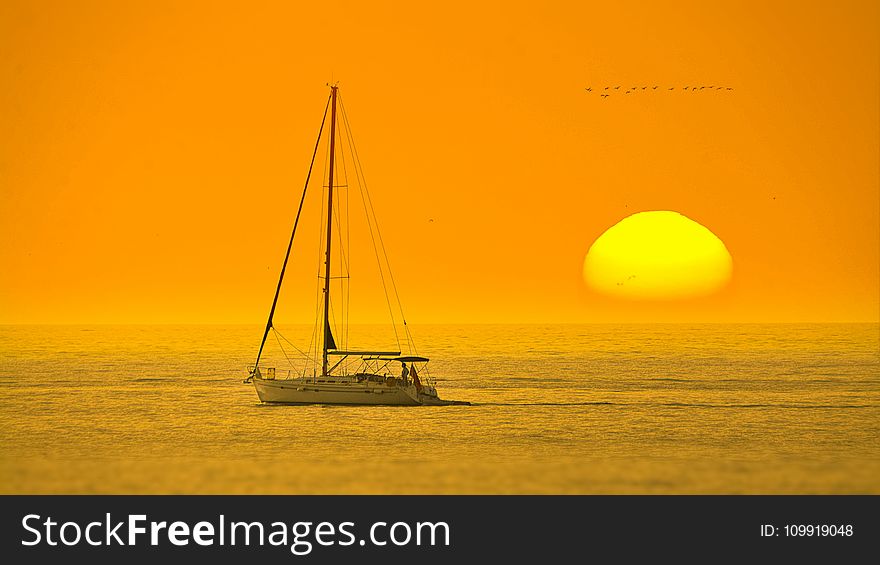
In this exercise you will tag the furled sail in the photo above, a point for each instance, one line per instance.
(329, 342)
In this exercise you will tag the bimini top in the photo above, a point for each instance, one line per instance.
(363, 353)
(408, 359)
(382, 356)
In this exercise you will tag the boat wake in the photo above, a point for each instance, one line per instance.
(543, 403)
(685, 405)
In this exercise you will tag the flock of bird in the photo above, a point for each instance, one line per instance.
(610, 90)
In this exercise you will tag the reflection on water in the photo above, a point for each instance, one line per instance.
(557, 409)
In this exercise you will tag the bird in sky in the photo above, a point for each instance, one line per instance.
(636, 89)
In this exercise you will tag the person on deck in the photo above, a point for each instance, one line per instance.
(404, 373)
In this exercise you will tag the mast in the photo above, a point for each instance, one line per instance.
(327, 333)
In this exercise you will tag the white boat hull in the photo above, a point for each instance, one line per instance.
(305, 391)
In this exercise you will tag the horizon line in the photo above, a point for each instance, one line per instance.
(508, 323)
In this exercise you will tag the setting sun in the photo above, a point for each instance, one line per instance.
(657, 255)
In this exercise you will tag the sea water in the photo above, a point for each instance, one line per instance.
(555, 409)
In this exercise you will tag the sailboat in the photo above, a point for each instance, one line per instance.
(348, 376)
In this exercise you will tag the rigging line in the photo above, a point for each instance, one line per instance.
(313, 339)
(410, 341)
(362, 187)
(348, 268)
(329, 241)
(407, 334)
(337, 216)
(348, 239)
(345, 258)
(318, 302)
(293, 233)
(324, 178)
(301, 352)
(346, 311)
(378, 231)
(275, 333)
(375, 220)
(346, 291)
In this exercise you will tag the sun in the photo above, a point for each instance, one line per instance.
(659, 255)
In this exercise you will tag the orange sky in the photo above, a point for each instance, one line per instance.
(151, 156)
